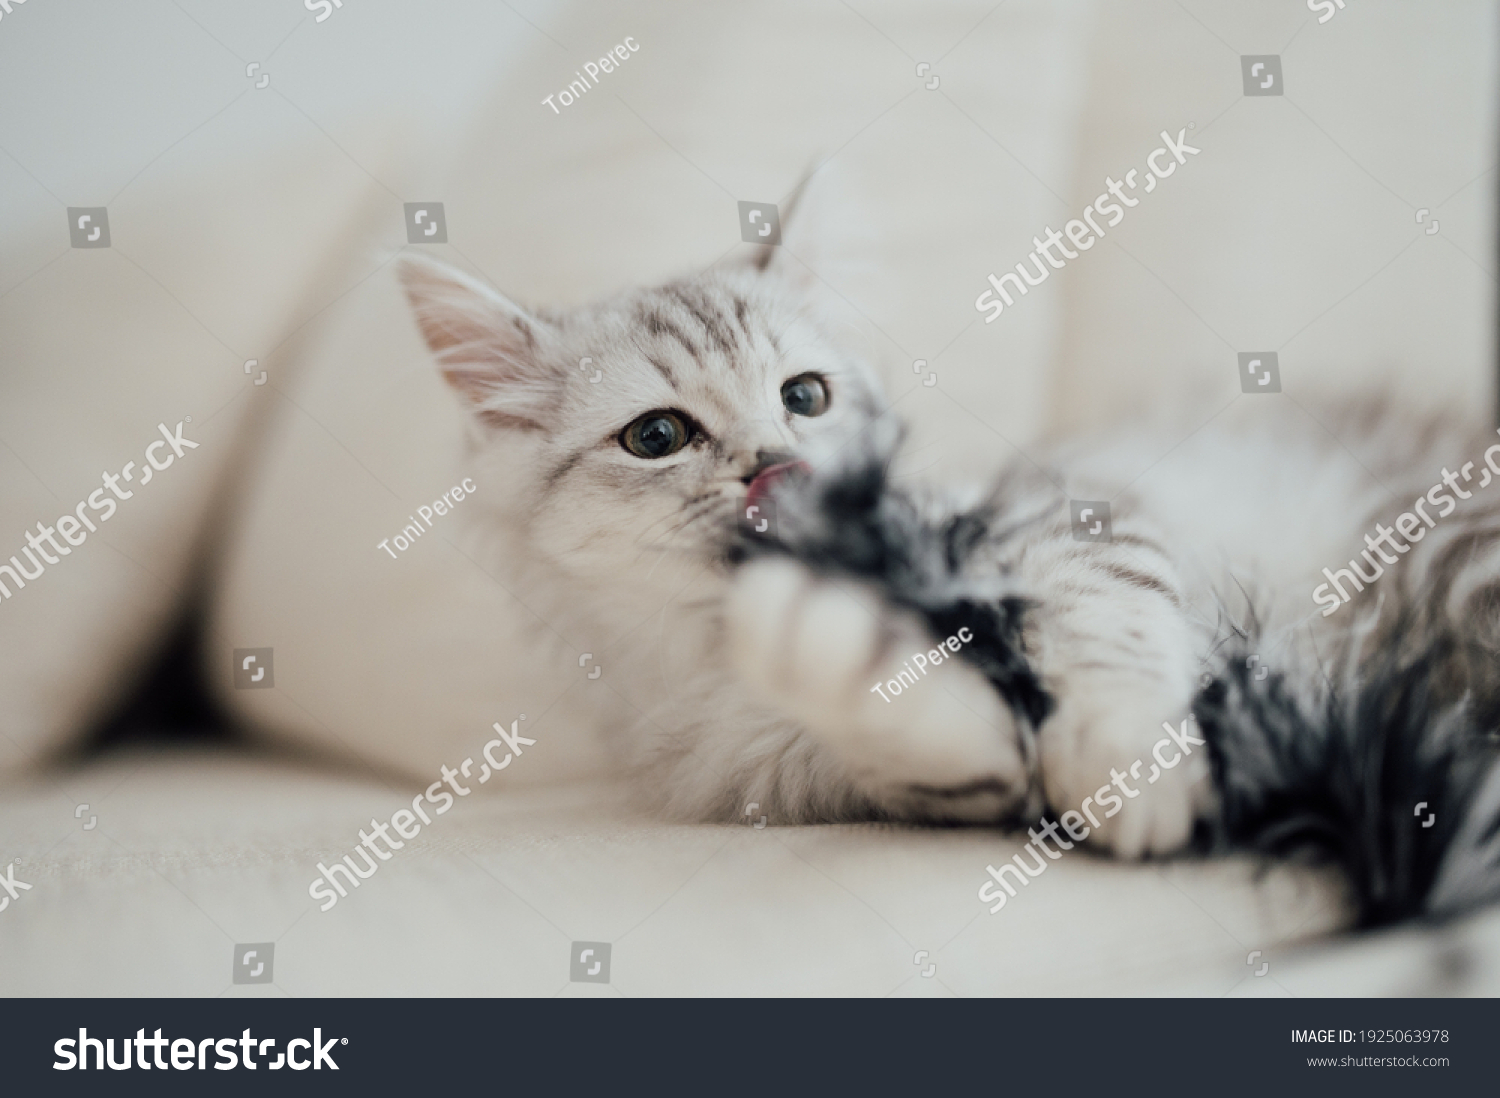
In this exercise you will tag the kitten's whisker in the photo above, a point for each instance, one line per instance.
(707, 504)
(647, 530)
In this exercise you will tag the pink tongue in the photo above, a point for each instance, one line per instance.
(761, 486)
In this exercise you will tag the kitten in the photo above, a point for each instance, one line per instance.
(634, 436)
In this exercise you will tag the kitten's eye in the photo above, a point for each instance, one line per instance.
(655, 435)
(805, 395)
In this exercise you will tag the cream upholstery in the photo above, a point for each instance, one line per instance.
(260, 223)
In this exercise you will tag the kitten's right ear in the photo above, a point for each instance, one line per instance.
(767, 256)
(819, 209)
(486, 345)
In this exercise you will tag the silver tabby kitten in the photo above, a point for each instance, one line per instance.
(760, 665)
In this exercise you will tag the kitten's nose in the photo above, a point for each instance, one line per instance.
(769, 468)
(765, 460)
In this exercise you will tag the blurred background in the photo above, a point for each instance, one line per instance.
(252, 165)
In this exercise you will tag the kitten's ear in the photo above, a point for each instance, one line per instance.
(807, 220)
(766, 257)
(487, 346)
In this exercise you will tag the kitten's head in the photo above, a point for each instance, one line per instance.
(639, 427)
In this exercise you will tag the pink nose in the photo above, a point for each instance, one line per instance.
(761, 486)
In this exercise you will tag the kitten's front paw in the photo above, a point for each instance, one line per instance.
(1106, 755)
(941, 744)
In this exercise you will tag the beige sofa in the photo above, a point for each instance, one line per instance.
(249, 285)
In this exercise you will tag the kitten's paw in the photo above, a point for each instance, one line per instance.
(945, 745)
(1106, 754)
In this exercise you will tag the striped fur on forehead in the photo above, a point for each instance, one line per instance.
(705, 308)
(712, 320)
(717, 346)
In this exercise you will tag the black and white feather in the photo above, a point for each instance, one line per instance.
(1382, 759)
(852, 520)
(1383, 762)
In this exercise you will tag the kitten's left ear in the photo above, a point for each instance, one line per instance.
(487, 346)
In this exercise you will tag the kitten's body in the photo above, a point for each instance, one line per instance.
(745, 661)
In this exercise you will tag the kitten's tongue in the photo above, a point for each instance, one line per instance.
(761, 486)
